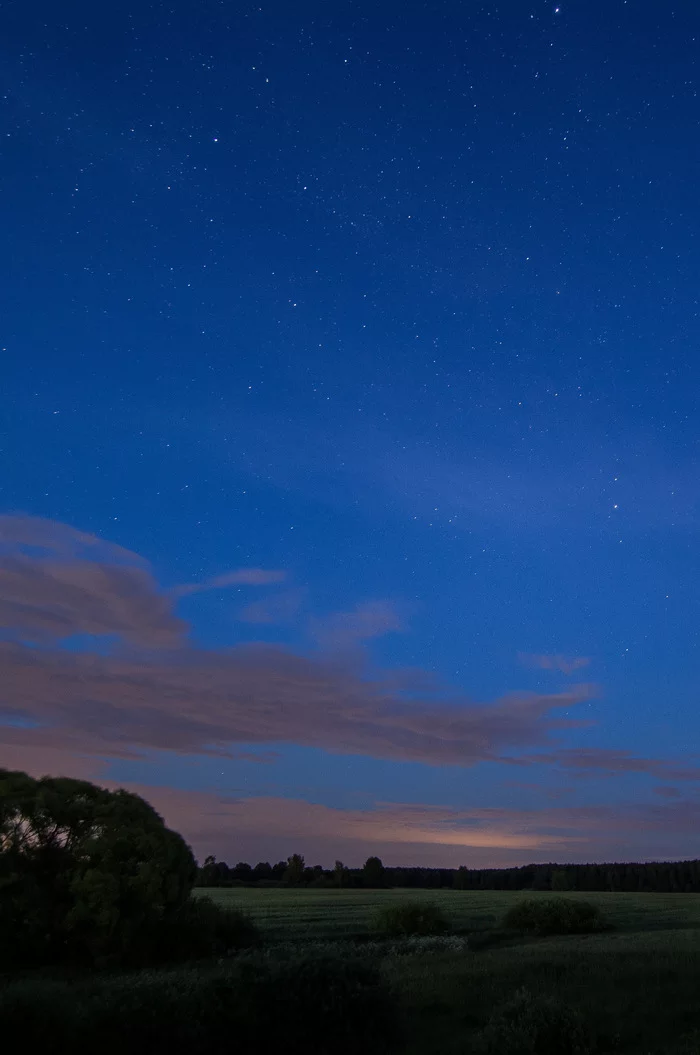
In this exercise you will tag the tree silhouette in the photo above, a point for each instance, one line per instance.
(373, 873)
(294, 873)
(84, 872)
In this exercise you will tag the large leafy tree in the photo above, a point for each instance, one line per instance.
(86, 874)
(374, 873)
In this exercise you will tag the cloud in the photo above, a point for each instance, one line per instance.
(549, 792)
(390, 825)
(191, 700)
(279, 608)
(239, 577)
(564, 664)
(46, 537)
(610, 762)
(342, 630)
(269, 828)
(74, 711)
(56, 582)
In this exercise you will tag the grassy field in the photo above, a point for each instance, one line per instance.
(638, 985)
(322, 915)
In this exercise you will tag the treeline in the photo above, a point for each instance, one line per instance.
(293, 872)
(675, 877)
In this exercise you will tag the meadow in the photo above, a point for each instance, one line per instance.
(638, 985)
(296, 914)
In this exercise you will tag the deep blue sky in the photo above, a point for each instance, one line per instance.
(400, 302)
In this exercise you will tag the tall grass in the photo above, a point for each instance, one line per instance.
(302, 1005)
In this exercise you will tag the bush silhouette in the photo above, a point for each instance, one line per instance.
(535, 1025)
(201, 929)
(410, 918)
(554, 916)
(323, 1004)
(331, 1004)
(42, 1016)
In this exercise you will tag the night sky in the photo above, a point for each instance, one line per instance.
(349, 424)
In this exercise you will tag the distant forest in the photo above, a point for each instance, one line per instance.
(677, 877)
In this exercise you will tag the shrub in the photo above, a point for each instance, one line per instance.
(200, 930)
(150, 1013)
(409, 919)
(329, 1004)
(42, 1016)
(555, 916)
(534, 1025)
(320, 1004)
(689, 1044)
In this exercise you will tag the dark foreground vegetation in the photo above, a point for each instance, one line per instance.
(304, 1005)
(103, 947)
(93, 878)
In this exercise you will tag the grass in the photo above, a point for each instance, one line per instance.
(327, 915)
(637, 986)
(639, 998)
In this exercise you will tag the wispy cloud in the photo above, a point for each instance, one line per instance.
(192, 700)
(342, 630)
(188, 699)
(556, 661)
(76, 711)
(56, 582)
(238, 577)
(599, 761)
(273, 610)
(549, 792)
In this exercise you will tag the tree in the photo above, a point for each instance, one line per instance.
(460, 880)
(212, 873)
(85, 873)
(294, 872)
(341, 874)
(561, 879)
(278, 870)
(373, 874)
(243, 872)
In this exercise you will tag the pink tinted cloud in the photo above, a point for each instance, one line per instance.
(549, 792)
(563, 664)
(274, 827)
(270, 828)
(191, 700)
(187, 699)
(238, 577)
(610, 762)
(342, 630)
(74, 712)
(51, 537)
(56, 582)
(274, 610)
